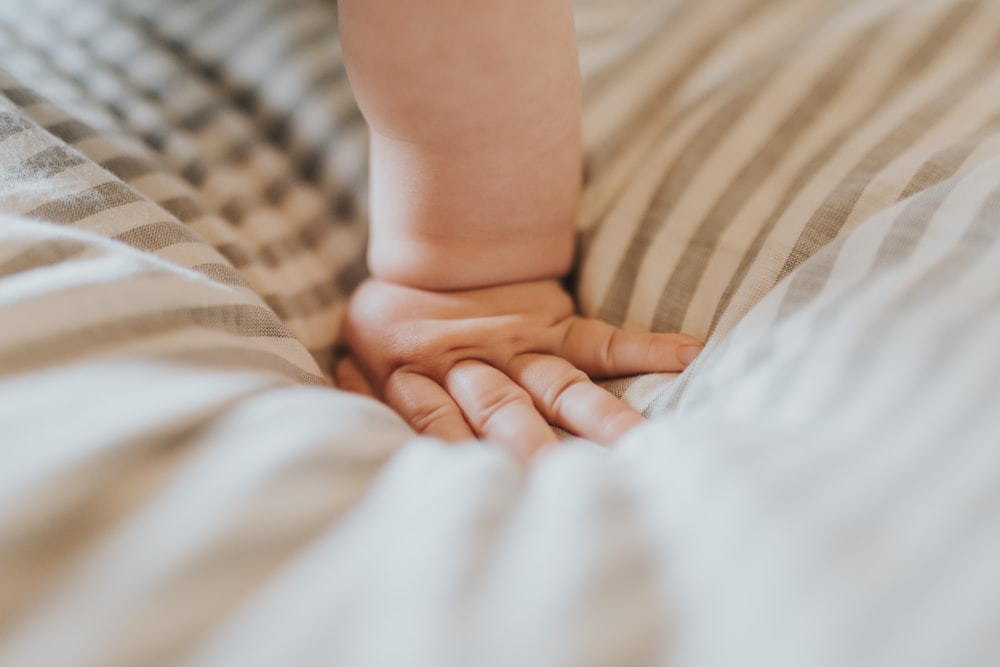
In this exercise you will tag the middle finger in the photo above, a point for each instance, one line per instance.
(498, 409)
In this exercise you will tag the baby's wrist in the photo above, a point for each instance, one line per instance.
(449, 265)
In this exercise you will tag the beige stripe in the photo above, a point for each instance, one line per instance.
(305, 303)
(672, 395)
(909, 220)
(744, 44)
(111, 334)
(129, 167)
(680, 287)
(631, 40)
(695, 175)
(945, 163)
(222, 273)
(607, 128)
(71, 131)
(115, 285)
(46, 163)
(51, 252)
(963, 203)
(979, 239)
(237, 254)
(955, 265)
(12, 124)
(185, 208)
(912, 44)
(86, 203)
(301, 245)
(675, 182)
(834, 212)
(21, 96)
(234, 358)
(156, 236)
(790, 206)
(599, 21)
(606, 239)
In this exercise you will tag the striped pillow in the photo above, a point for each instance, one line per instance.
(729, 141)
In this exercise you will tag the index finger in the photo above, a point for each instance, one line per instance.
(602, 350)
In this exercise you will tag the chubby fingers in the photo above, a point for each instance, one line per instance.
(603, 350)
(477, 400)
(566, 397)
(498, 409)
(426, 406)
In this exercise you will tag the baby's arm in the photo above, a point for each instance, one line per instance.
(474, 109)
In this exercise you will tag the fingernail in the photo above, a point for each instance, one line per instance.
(688, 353)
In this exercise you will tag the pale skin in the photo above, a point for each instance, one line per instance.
(464, 327)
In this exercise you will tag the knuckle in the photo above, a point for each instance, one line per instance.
(408, 393)
(609, 349)
(556, 394)
(496, 404)
(421, 354)
(425, 418)
(570, 330)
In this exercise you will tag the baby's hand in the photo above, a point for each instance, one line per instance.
(501, 363)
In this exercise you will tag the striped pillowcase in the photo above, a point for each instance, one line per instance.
(728, 142)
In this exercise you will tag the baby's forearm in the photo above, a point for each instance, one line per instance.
(474, 108)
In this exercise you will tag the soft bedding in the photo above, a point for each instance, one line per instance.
(812, 185)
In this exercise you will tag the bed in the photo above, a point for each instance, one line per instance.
(811, 185)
